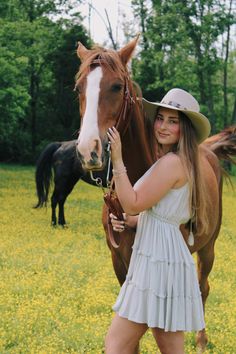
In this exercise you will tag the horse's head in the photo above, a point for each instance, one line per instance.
(102, 83)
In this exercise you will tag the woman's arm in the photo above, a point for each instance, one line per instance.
(154, 186)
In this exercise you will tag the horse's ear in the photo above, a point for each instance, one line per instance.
(82, 51)
(126, 52)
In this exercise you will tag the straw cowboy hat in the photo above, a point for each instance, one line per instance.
(182, 101)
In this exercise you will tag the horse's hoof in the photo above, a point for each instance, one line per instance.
(65, 226)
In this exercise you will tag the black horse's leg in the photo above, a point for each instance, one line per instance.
(53, 206)
(61, 214)
(65, 189)
(58, 197)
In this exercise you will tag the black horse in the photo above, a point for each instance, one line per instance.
(61, 158)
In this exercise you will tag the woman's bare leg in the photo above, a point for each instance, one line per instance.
(123, 336)
(169, 342)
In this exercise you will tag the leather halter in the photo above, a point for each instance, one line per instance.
(123, 120)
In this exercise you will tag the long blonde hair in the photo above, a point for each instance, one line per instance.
(188, 151)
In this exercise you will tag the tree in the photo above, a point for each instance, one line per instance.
(33, 44)
(181, 49)
(162, 55)
(226, 46)
(64, 64)
(14, 99)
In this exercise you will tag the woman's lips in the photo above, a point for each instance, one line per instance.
(163, 135)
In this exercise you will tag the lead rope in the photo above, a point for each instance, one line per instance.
(108, 165)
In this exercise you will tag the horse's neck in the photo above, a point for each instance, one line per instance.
(135, 147)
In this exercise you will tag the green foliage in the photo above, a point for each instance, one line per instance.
(184, 44)
(14, 97)
(38, 65)
(182, 48)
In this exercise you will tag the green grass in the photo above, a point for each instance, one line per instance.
(58, 286)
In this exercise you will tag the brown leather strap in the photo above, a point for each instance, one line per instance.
(111, 233)
(124, 117)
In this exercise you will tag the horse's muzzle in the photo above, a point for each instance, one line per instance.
(95, 160)
(94, 163)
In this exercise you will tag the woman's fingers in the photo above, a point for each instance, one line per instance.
(117, 225)
(112, 216)
(113, 135)
(118, 228)
(116, 150)
(113, 132)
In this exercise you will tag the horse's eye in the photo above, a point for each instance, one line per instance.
(116, 87)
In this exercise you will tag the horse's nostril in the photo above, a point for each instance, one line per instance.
(94, 155)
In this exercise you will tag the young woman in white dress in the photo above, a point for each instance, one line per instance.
(161, 290)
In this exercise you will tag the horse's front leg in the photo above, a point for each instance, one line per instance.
(53, 207)
(61, 214)
(205, 259)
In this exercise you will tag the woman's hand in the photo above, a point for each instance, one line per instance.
(129, 221)
(117, 224)
(116, 148)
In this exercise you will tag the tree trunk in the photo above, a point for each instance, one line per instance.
(233, 120)
(33, 103)
(143, 26)
(210, 105)
(225, 77)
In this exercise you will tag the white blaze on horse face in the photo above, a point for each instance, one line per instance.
(89, 140)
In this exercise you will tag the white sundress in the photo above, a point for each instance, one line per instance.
(161, 287)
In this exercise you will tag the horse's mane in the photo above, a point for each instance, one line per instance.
(140, 126)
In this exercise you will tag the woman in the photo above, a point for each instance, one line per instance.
(161, 290)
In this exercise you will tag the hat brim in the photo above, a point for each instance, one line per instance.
(200, 122)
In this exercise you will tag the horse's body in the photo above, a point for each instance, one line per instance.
(102, 83)
(61, 158)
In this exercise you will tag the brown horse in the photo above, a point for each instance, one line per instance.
(107, 98)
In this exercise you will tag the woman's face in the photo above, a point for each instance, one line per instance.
(167, 127)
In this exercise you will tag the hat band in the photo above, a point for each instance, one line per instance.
(174, 104)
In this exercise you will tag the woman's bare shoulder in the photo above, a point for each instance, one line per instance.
(170, 159)
(172, 167)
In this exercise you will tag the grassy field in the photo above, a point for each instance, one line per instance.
(57, 285)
